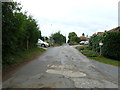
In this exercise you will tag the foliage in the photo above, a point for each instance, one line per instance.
(85, 47)
(73, 43)
(44, 38)
(19, 31)
(85, 50)
(111, 47)
(83, 34)
(72, 34)
(56, 45)
(94, 42)
(94, 56)
(89, 53)
(73, 37)
(23, 56)
(106, 60)
(58, 38)
(111, 43)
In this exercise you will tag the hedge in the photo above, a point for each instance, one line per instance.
(111, 44)
(94, 42)
(111, 47)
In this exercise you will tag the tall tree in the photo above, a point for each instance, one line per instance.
(19, 31)
(72, 34)
(58, 38)
(83, 34)
(73, 37)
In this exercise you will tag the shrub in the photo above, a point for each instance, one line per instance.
(111, 43)
(86, 51)
(82, 48)
(90, 53)
(111, 47)
(73, 43)
(94, 42)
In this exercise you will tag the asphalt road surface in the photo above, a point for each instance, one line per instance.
(61, 67)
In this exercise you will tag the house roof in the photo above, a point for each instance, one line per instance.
(83, 38)
(115, 29)
(100, 32)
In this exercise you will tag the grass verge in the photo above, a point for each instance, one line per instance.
(95, 56)
(56, 45)
(106, 61)
(19, 60)
(23, 56)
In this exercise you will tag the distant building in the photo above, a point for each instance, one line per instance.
(115, 29)
(83, 38)
(100, 32)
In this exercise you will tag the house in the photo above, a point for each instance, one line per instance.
(115, 29)
(83, 38)
(100, 32)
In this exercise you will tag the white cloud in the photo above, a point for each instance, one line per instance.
(88, 16)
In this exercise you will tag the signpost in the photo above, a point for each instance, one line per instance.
(100, 48)
(100, 43)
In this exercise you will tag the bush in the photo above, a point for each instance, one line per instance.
(111, 43)
(94, 42)
(73, 43)
(56, 44)
(111, 47)
(82, 48)
(22, 56)
(89, 53)
(86, 51)
(19, 31)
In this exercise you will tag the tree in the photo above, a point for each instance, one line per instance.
(73, 37)
(58, 38)
(72, 34)
(19, 31)
(9, 27)
(44, 38)
(40, 36)
(83, 34)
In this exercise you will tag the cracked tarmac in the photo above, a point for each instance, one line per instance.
(60, 67)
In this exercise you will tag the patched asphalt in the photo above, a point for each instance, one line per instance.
(63, 67)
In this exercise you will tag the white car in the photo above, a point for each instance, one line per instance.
(84, 42)
(42, 44)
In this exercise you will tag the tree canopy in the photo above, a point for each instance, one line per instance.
(72, 34)
(58, 38)
(73, 37)
(19, 31)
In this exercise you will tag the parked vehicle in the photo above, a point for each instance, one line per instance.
(42, 44)
(84, 42)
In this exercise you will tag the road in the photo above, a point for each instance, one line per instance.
(60, 67)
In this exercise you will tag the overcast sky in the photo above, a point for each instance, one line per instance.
(80, 16)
